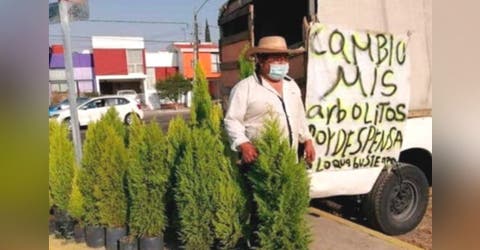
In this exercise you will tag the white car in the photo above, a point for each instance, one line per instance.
(132, 94)
(96, 107)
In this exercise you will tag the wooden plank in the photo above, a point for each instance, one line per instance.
(419, 113)
(244, 35)
(229, 65)
(234, 15)
(231, 52)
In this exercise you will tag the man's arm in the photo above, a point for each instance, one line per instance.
(234, 118)
(304, 134)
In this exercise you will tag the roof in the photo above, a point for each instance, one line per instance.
(190, 45)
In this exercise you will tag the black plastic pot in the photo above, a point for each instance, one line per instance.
(112, 237)
(151, 243)
(79, 233)
(95, 236)
(51, 224)
(64, 224)
(128, 243)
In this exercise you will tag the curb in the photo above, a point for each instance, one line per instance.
(376, 234)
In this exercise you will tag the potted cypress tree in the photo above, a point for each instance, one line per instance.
(281, 191)
(110, 191)
(61, 167)
(93, 155)
(76, 209)
(177, 138)
(207, 193)
(88, 184)
(148, 177)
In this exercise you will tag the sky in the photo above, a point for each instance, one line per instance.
(157, 36)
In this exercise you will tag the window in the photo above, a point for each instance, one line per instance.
(215, 62)
(59, 86)
(95, 104)
(135, 60)
(122, 101)
(111, 102)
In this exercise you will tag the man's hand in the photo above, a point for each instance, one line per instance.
(249, 152)
(309, 151)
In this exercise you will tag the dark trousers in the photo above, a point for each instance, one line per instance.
(251, 236)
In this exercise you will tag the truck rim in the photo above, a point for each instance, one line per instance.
(404, 201)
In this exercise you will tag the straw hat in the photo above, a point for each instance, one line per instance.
(271, 45)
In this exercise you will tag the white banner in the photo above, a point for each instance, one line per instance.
(357, 105)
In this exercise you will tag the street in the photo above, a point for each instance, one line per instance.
(161, 116)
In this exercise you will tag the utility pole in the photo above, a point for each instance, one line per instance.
(196, 42)
(72, 89)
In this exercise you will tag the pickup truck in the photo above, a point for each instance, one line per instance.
(366, 80)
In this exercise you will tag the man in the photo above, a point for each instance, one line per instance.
(268, 90)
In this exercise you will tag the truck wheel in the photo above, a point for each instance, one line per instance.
(398, 200)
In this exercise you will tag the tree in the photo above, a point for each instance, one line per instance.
(112, 119)
(75, 205)
(61, 165)
(247, 67)
(94, 157)
(207, 32)
(281, 191)
(148, 177)
(177, 138)
(201, 100)
(173, 87)
(88, 176)
(109, 192)
(208, 194)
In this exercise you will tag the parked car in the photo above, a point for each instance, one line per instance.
(129, 93)
(93, 109)
(65, 104)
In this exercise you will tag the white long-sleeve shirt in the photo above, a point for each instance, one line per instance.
(253, 99)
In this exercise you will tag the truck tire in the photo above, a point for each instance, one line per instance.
(398, 200)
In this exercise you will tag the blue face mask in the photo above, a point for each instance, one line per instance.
(278, 71)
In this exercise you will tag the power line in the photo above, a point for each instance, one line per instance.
(201, 6)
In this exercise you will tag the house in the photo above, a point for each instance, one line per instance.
(83, 74)
(160, 65)
(208, 57)
(119, 64)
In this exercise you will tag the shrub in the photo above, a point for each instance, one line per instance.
(247, 67)
(147, 179)
(75, 205)
(88, 176)
(208, 194)
(110, 192)
(112, 119)
(61, 165)
(193, 194)
(177, 136)
(201, 100)
(281, 191)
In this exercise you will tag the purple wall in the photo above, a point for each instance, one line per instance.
(79, 61)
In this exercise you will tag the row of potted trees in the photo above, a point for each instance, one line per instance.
(137, 187)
